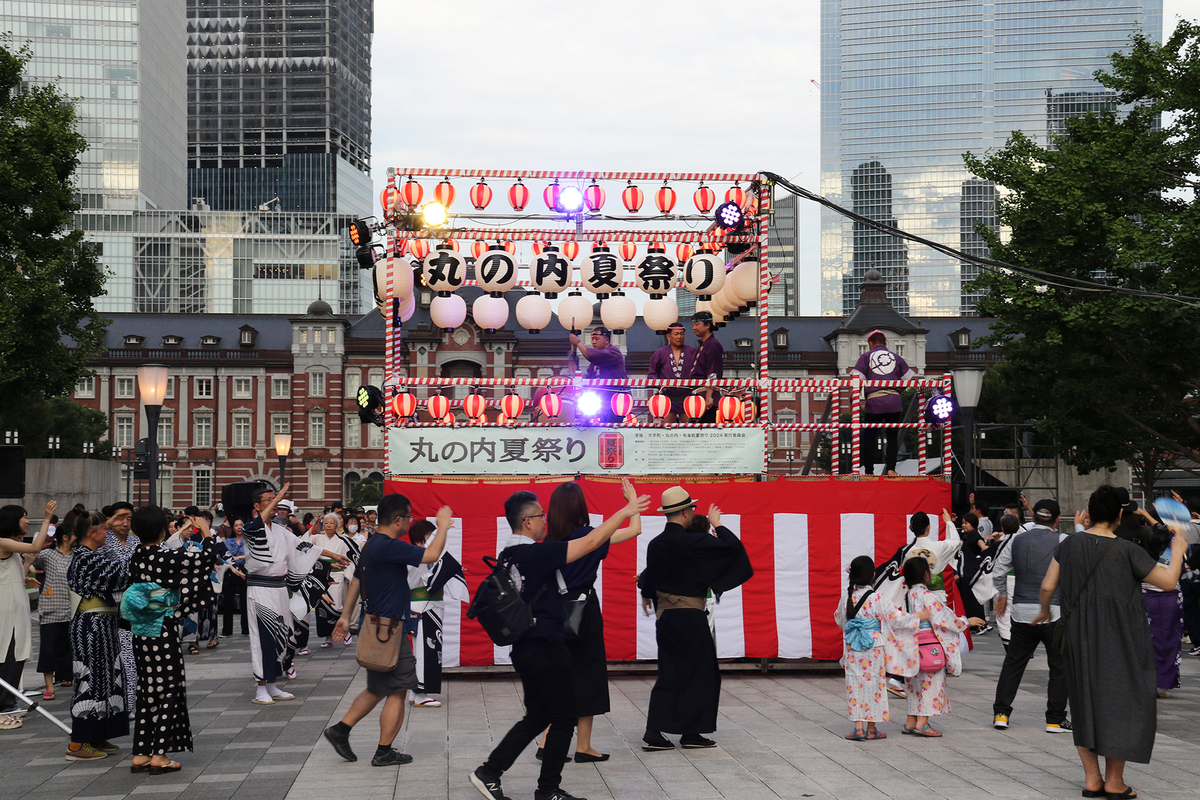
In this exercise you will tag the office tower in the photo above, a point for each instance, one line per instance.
(783, 249)
(279, 105)
(907, 88)
(125, 61)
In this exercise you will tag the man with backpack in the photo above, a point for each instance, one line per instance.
(540, 654)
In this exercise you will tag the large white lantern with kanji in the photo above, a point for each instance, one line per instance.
(704, 275)
(444, 270)
(655, 273)
(496, 270)
(601, 272)
(550, 271)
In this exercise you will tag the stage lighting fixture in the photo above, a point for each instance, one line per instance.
(434, 215)
(590, 403)
(570, 199)
(366, 256)
(729, 216)
(370, 405)
(360, 233)
(939, 409)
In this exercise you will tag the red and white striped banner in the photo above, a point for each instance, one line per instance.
(800, 534)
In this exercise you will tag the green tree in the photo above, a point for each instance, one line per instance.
(1112, 377)
(365, 493)
(49, 275)
(75, 425)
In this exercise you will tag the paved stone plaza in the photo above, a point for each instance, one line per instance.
(779, 735)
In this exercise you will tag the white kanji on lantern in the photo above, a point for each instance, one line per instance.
(655, 273)
(704, 275)
(496, 270)
(550, 272)
(601, 272)
(444, 269)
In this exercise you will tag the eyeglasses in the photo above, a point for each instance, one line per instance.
(534, 516)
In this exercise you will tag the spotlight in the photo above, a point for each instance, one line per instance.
(366, 256)
(939, 409)
(434, 215)
(590, 403)
(370, 405)
(729, 216)
(570, 199)
(360, 232)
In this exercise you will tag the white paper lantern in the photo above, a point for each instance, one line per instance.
(550, 271)
(575, 312)
(448, 312)
(408, 307)
(704, 275)
(496, 271)
(655, 273)
(660, 312)
(601, 272)
(721, 304)
(730, 297)
(490, 312)
(745, 282)
(402, 279)
(618, 313)
(533, 312)
(444, 270)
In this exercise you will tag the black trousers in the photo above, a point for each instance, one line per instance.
(971, 605)
(1021, 647)
(892, 436)
(545, 670)
(1190, 590)
(233, 598)
(10, 671)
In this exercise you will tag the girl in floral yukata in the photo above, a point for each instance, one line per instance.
(927, 690)
(874, 631)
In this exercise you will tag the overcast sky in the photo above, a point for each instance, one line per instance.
(619, 85)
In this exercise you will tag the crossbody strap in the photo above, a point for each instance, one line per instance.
(1091, 572)
(858, 606)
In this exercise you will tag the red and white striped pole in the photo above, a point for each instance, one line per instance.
(947, 438)
(390, 350)
(921, 434)
(764, 286)
(835, 414)
(855, 424)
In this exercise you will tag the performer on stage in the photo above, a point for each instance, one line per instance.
(604, 361)
(680, 569)
(428, 585)
(710, 362)
(673, 363)
(883, 405)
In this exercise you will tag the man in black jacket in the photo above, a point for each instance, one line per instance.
(681, 567)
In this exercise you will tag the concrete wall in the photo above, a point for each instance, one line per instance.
(69, 481)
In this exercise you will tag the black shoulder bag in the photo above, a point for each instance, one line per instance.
(1059, 640)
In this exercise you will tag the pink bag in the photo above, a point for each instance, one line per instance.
(933, 655)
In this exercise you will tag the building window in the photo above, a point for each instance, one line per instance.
(280, 423)
(862, 348)
(242, 437)
(166, 431)
(202, 430)
(899, 348)
(170, 395)
(353, 432)
(316, 384)
(316, 483)
(204, 389)
(353, 381)
(242, 388)
(303, 336)
(210, 341)
(316, 430)
(375, 377)
(786, 439)
(133, 340)
(202, 486)
(247, 337)
(781, 339)
(374, 436)
(86, 387)
(124, 387)
(280, 388)
(785, 396)
(741, 342)
(172, 341)
(124, 430)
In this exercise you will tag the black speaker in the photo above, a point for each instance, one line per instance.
(238, 499)
(12, 470)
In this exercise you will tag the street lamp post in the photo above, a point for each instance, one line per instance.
(968, 381)
(283, 446)
(152, 385)
(53, 443)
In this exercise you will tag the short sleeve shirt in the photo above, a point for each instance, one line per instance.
(383, 570)
(709, 363)
(537, 562)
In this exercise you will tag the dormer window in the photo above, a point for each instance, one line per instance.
(780, 338)
(172, 341)
(210, 341)
(426, 298)
(961, 339)
(133, 340)
(246, 336)
(741, 342)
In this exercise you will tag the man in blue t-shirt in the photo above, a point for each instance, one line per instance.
(541, 657)
(382, 575)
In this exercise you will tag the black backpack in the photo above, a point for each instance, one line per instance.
(498, 605)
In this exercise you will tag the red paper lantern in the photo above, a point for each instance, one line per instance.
(401, 248)
(633, 198)
(683, 252)
(438, 406)
(478, 248)
(404, 404)
(444, 193)
(630, 419)
(570, 250)
(481, 195)
(538, 247)
(451, 243)
(550, 195)
(749, 411)
(383, 201)
(419, 248)
(736, 195)
(704, 198)
(664, 198)
(501, 419)
(518, 196)
(628, 250)
(593, 197)
(660, 406)
(622, 404)
(512, 405)
(412, 193)
(693, 406)
(551, 405)
(731, 408)
(448, 419)
(510, 248)
(474, 405)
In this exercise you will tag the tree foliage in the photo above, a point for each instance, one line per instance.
(74, 424)
(1112, 377)
(48, 274)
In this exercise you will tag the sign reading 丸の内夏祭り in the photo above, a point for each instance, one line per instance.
(559, 450)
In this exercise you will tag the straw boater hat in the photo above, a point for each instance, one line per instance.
(675, 499)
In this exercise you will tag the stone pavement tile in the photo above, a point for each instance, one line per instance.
(221, 777)
(160, 788)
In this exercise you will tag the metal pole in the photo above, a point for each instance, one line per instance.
(152, 413)
(283, 471)
(35, 706)
(968, 416)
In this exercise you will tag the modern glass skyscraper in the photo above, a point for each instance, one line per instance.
(279, 104)
(783, 250)
(907, 87)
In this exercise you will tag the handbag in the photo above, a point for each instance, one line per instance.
(929, 647)
(1058, 639)
(575, 610)
(378, 647)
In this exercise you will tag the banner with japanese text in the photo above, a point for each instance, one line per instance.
(424, 451)
(801, 535)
